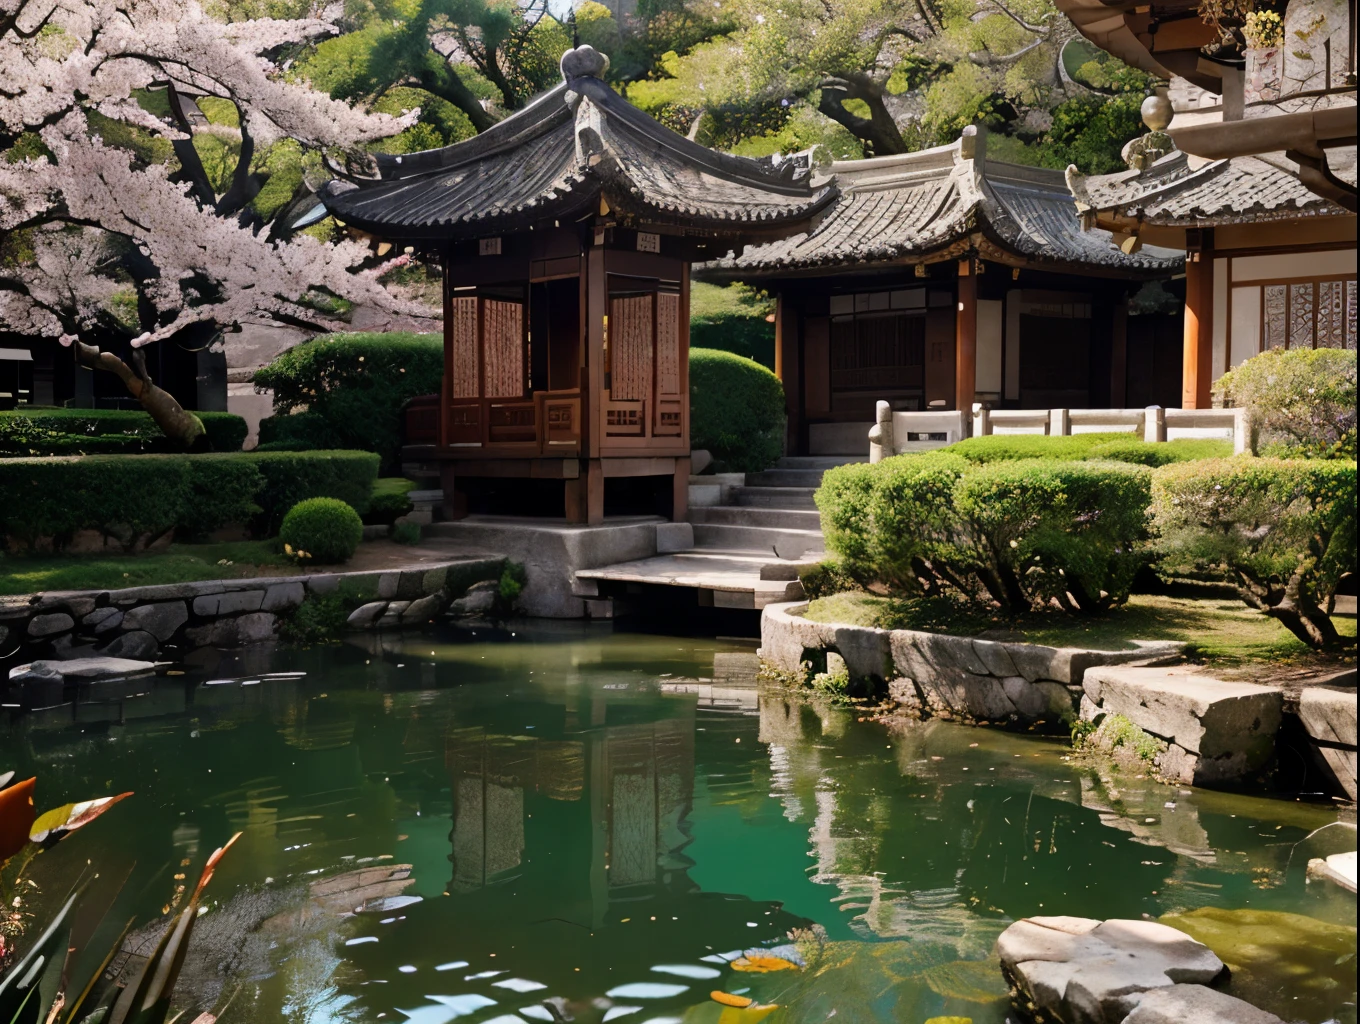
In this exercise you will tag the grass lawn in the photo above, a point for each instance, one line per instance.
(177, 563)
(1221, 632)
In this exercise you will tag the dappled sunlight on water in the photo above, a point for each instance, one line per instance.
(560, 822)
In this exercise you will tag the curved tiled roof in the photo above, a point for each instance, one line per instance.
(921, 206)
(557, 157)
(1170, 193)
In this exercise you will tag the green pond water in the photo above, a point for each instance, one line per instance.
(601, 821)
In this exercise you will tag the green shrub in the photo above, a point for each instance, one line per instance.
(136, 499)
(1015, 533)
(1300, 402)
(290, 477)
(512, 581)
(389, 501)
(736, 411)
(1006, 447)
(321, 530)
(732, 319)
(317, 620)
(1163, 453)
(353, 387)
(406, 532)
(825, 579)
(1283, 529)
(38, 432)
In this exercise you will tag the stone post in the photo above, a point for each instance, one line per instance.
(1059, 422)
(1154, 424)
(881, 441)
(982, 420)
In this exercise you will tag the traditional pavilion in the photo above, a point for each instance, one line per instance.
(939, 279)
(566, 233)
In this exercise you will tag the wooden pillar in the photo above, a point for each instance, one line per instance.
(1197, 368)
(786, 365)
(446, 388)
(594, 487)
(965, 341)
(454, 504)
(680, 491)
(1119, 353)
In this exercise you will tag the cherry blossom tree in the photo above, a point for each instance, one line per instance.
(104, 246)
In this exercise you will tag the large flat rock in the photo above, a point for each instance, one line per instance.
(1218, 731)
(1328, 713)
(1082, 971)
(1195, 1004)
(83, 668)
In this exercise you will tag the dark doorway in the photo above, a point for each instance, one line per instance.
(1055, 362)
(1155, 361)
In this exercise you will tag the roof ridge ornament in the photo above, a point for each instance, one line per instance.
(1144, 151)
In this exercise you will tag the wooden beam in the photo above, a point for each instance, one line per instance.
(596, 307)
(594, 493)
(786, 368)
(1197, 368)
(965, 341)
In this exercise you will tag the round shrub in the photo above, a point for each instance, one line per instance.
(1301, 402)
(386, 507)
(736, 411)
(323, 530)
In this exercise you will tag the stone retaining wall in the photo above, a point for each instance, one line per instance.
(934, 675)
(135, 622)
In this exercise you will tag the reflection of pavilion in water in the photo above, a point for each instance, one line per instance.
(629, 782)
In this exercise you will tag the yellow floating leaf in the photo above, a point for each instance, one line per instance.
(950, 1020)
(763, 964)
(728, 999)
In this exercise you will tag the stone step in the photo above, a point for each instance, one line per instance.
(767, 540)
(745, 515)
(786, 478)
(822, 462)
(774, 497)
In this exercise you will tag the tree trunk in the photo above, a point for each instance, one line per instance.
(182, 427)
(878, 131)
(437, 77)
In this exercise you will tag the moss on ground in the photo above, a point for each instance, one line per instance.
(1219, 631)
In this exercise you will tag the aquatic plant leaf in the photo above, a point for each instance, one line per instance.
(746, 1014)
(55, 825)
(974, 981)
(950, 1020)
(16, 817)
(29, 988)
(763, 964)
(146, 1000)
(728, 999)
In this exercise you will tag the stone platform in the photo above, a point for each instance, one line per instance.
(721, 579)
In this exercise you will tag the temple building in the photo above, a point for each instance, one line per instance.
(1254, 181)
(566, 234)
(940, 279)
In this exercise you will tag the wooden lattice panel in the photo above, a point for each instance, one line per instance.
(464, 357)
(630, 344)
(667, 343)
(625, 419)
(503, 348)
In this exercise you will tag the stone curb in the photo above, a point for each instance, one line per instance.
(937, 675)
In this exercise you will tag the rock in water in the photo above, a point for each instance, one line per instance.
(1082, 971)
(1183, 1004)
(82, 668)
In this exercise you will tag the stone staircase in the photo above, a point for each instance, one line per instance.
(771, 514)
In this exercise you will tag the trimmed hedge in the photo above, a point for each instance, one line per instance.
(1285, 530)
(1016, 533)
(352, 388)
(105, 431)
(736, 411)
(1109, 447)
(137, 500)
(321, 530)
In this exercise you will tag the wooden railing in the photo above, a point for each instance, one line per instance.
(547, 423)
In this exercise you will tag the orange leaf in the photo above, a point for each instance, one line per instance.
(211, 866)
(763, 964)
(728, 999)
(16, 815)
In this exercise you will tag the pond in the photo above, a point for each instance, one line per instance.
(556, 822)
